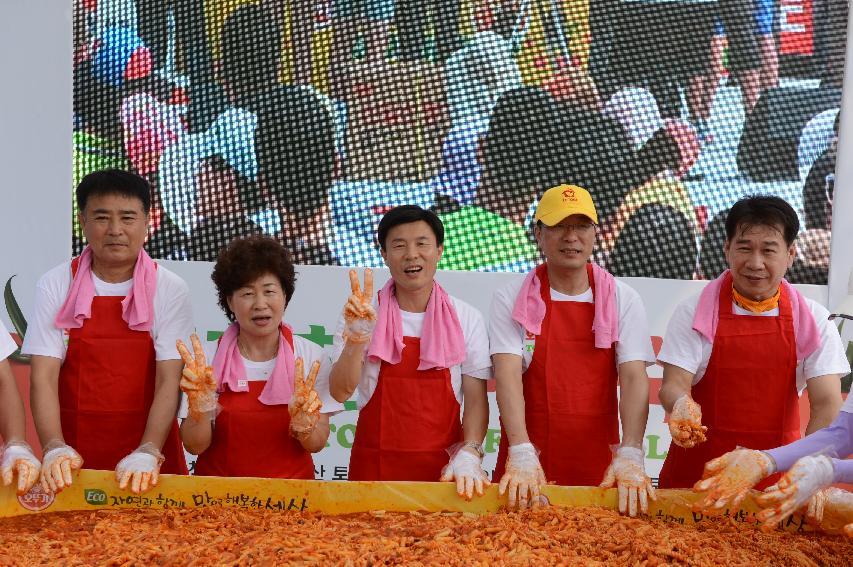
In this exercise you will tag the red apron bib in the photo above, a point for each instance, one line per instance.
(253, 439)
(407, 425)
(570, 403)
(748, 393)
(106, 388)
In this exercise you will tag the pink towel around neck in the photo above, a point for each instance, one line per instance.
(137, 306)
(229, 370)
(529, 308)
(442, 341)
(806, 333)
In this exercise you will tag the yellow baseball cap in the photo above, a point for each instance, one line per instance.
(562, 201)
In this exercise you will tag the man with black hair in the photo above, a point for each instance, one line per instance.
(105, 369)
(737, 355)
(415, 354)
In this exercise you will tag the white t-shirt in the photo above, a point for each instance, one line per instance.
(173, 317)
(687, 349)
(477, 363)
(7, 343)
(260, 371)
(508, 337)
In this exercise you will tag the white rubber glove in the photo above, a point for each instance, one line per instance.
(685, 423)
(58, 463)
(140, 469)
(728, 478)
(524, 477)
(627, 471)
(836, 504)
(795, 489)
(359, 314)
(466, 469)
(18, 459)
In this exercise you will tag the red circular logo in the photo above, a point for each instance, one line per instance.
(569, 195)
(36, 499)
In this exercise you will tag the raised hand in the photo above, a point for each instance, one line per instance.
(197, 380)
(627, 472)
(685, 423)
(18, 459)
(359, 314)
(305, 405)
(728, 478)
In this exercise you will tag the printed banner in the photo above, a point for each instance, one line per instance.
(97, 490)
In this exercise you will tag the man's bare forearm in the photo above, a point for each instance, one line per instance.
(44, 397)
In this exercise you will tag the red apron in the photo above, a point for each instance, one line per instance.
(106, 387)
(570, 404)
(407, 425)
(253, 439)
(748, 393)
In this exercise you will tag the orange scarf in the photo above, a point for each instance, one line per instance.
(756, 306)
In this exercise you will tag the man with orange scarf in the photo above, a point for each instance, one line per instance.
(736, 356)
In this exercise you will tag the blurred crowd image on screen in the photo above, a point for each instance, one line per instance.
(272, 116)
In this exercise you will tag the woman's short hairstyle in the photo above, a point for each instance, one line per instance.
(246, 259)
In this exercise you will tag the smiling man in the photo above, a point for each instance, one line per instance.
(416, 356)
(561, 340)
(737, 355)
(105, 369)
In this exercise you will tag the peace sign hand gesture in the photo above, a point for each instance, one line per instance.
(305, 405)
(197, 380)
(359, 314)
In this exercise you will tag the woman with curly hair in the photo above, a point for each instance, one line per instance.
(253, 413)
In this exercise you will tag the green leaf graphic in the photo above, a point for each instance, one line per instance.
(19, 322)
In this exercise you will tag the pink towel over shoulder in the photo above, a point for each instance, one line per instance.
(806, 333)
(229, 370)
(529, 308)
(137, 307)
(442, 341)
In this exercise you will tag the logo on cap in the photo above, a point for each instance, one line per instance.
(569, 195)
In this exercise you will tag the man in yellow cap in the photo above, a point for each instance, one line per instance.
(561, 339)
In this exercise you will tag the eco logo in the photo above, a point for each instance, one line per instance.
(95, 496)
(36, 499)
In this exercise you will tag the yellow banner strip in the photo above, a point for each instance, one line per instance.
(94, 490)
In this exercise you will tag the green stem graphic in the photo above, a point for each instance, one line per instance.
(19, 322)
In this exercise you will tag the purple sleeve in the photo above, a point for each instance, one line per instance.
(843, 471)
(834, 441)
